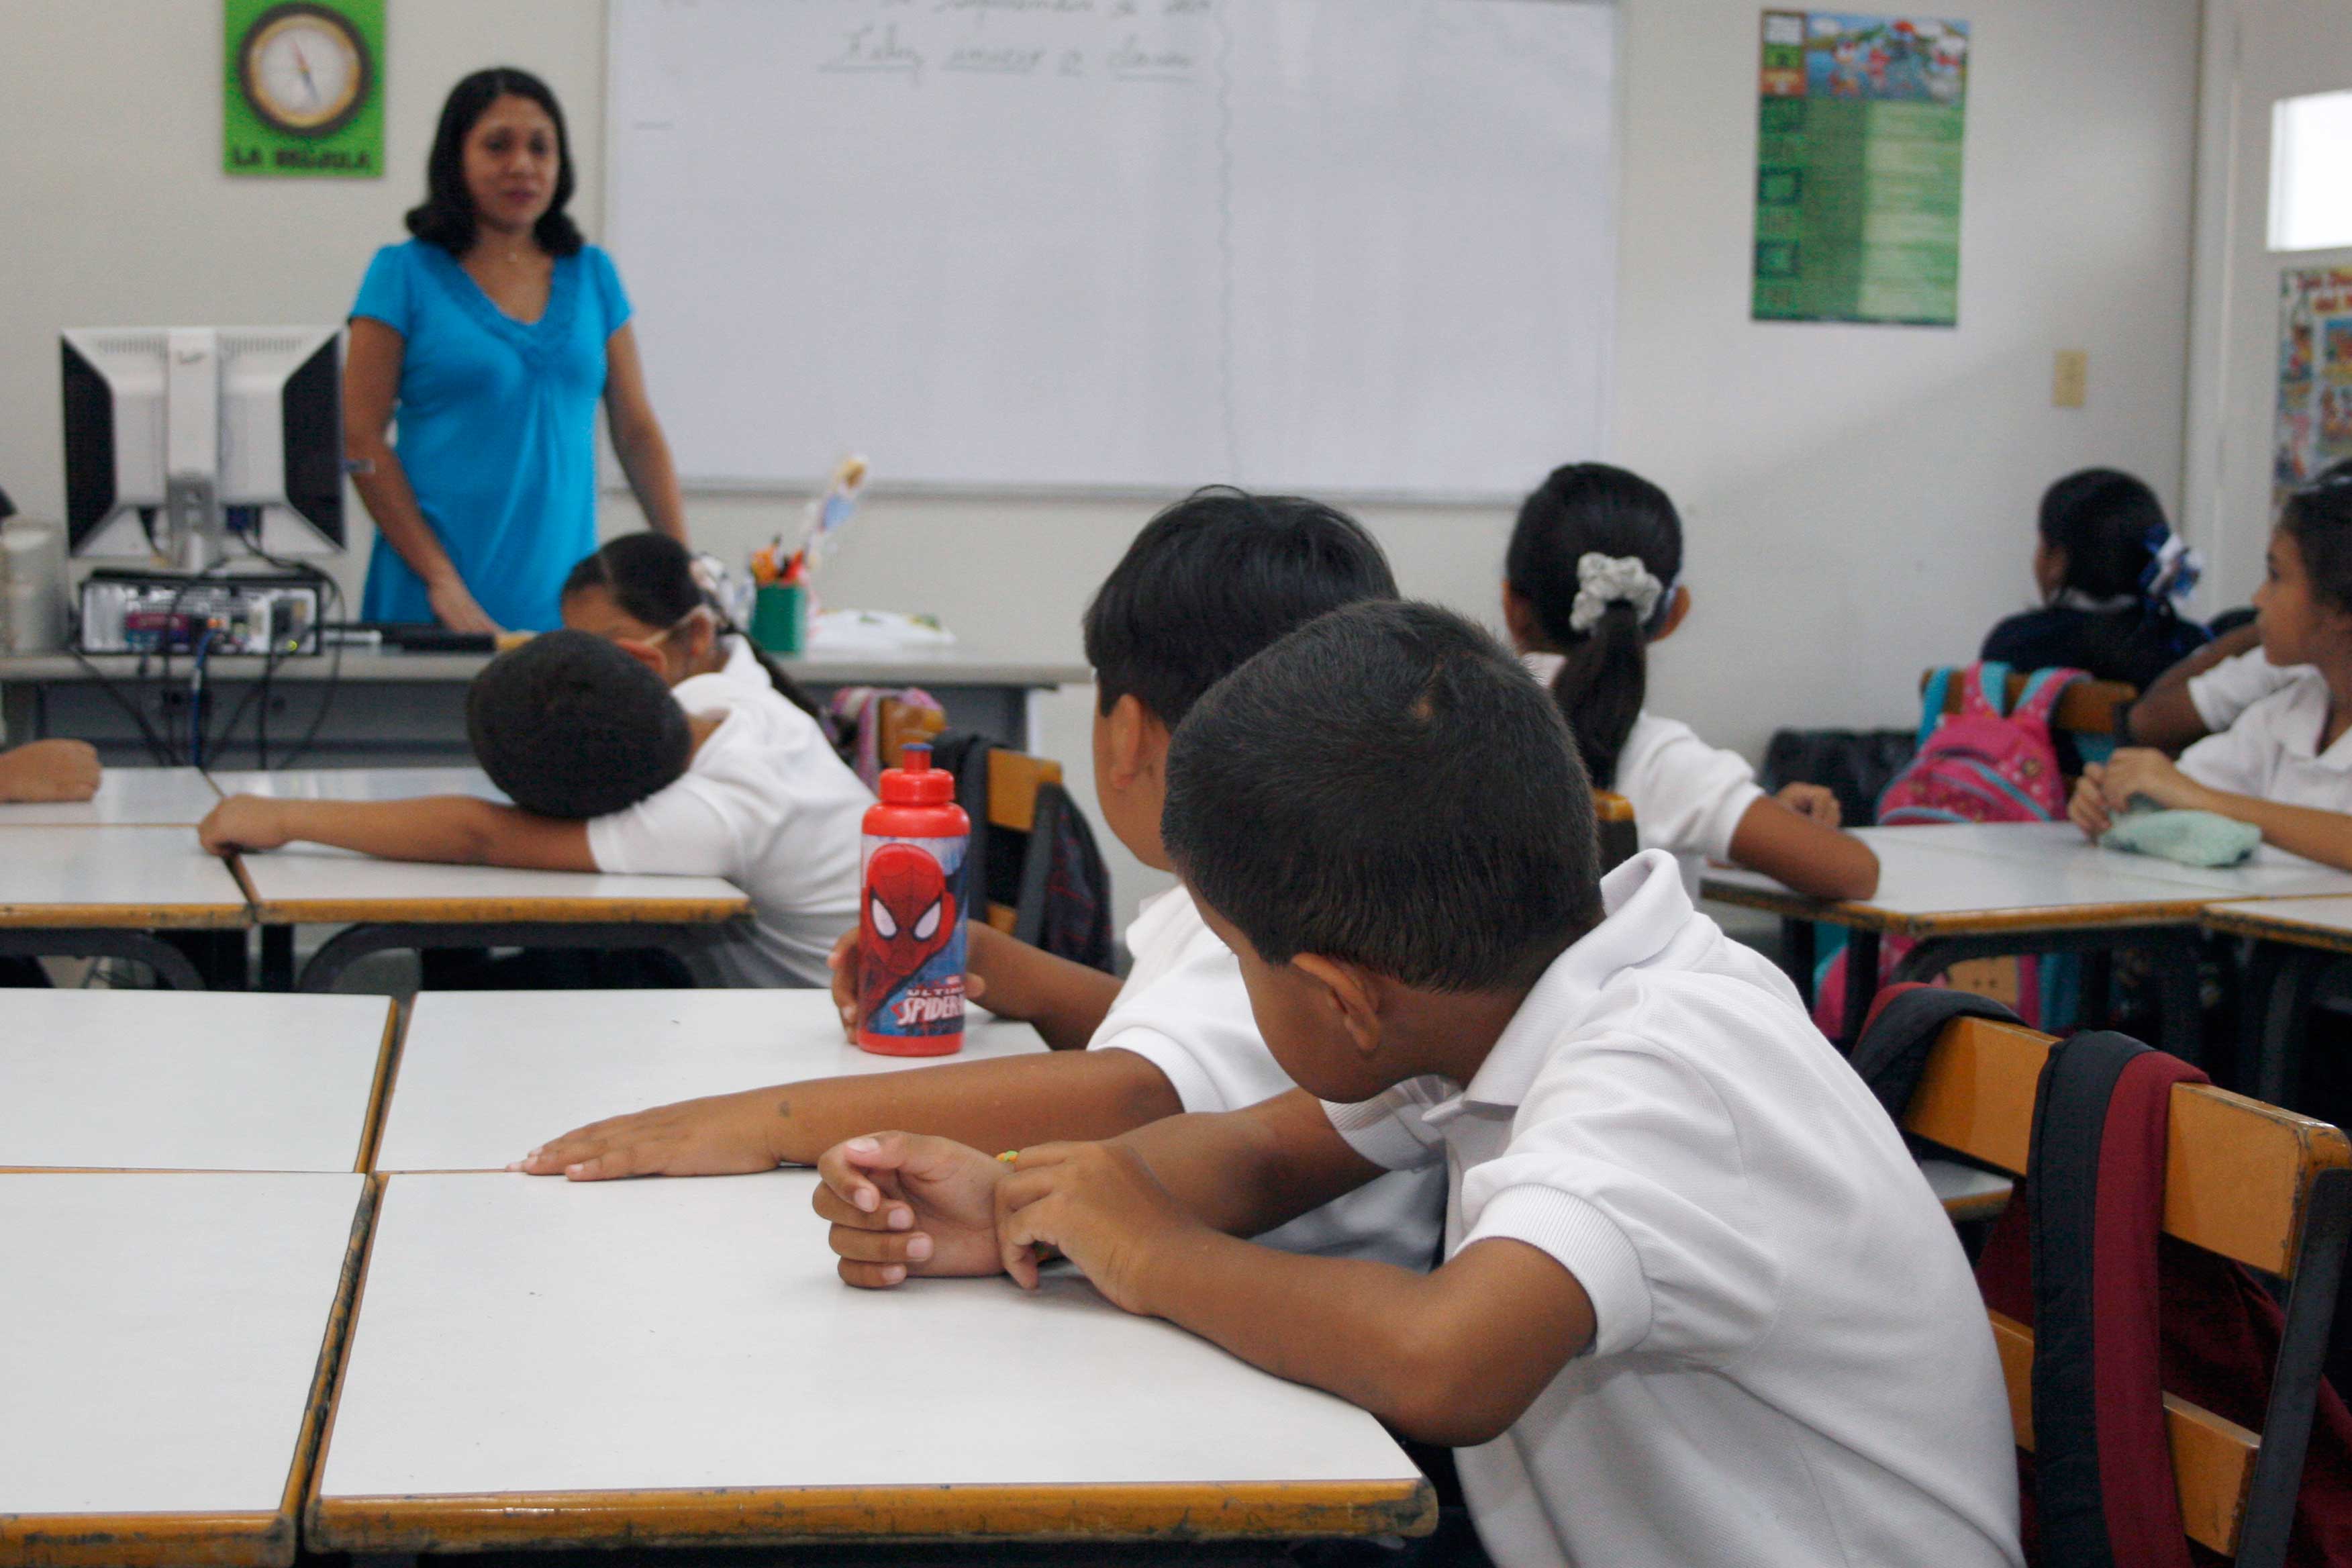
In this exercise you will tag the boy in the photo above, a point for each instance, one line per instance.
(1699, 1305)
(610, 770)
(1208, 583)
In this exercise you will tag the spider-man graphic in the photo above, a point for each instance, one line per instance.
(909, 919)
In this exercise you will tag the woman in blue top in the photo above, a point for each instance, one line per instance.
(492, 334)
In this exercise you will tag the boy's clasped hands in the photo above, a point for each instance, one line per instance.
(2135, 774)
(900, 1203)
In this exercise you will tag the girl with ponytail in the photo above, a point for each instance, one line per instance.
(1591, 580)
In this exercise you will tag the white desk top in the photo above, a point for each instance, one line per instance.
(485, 1076)
(358, 784)
(1927, 888)
(160, 1340)
(130, 797)
(2310, 922)
(311, 882)
(589, 1344)
(146, 878)
(2268, 873)
(211, 1081)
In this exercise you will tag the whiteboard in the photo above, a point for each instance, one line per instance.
(1354, 246)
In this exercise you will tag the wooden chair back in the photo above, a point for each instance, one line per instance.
(2263, 1186)
(904, 724)
(1618, 839)
(1014, 782)
(2085, 708)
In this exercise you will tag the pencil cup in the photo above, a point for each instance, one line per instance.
(780, 619)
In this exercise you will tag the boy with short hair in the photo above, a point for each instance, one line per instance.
(1205, 584)
(1699, 1306)
(610, 769)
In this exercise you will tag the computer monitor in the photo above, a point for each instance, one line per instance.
(180, 439)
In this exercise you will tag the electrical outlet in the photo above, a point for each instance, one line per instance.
(2071, 388)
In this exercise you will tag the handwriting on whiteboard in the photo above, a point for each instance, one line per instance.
(1113, 41)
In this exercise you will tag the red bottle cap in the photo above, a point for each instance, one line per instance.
(914, 782)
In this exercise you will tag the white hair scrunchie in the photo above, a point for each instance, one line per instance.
(1605, 580)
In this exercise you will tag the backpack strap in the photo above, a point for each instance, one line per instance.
(2043, 689)
(1932, 701)
(2102, 1467)
(1984, 689)
(1902, 1029)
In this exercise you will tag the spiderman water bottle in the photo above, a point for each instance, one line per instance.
(910, 919)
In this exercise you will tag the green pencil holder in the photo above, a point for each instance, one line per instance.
(780, 619)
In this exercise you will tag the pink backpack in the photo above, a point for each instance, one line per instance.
(1980, 764)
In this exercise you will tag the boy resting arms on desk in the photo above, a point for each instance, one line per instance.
(1698, 1306)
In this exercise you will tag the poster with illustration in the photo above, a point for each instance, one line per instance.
(1861, 122)
(2314, 405)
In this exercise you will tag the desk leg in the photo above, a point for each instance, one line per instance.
(2179, 1001)
(277, 958)
(2282, 984)
(1798, 959)
(1861, 982)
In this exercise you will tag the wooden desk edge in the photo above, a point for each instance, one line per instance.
(123, 916)
(500, 912)
(380, 1086)
(234, 1540)
(2184, 910)
(780, 1515)
(2230, 920)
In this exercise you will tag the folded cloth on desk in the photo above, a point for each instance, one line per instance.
(876, 631)
(2190, 837)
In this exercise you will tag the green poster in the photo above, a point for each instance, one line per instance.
(1858, 169)
(304, 88)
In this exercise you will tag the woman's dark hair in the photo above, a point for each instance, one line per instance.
(651, 578)
(1591, 509)
(2110, 525)
(1212, 579)
(1384, 784)
(448, 218)
(2319, 519)
(571, 726)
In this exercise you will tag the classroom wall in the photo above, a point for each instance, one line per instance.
(1858, 498)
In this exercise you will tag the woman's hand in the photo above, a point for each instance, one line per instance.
(1812, 801)
(454, 603)
(2136, 773)
(2088, 809)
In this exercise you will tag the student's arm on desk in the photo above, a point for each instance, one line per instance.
(370, 388)
(999, 1104)
(1453, 1356)
(2314, 833)
(450, 829)
(1803, 853)
(2164, 716)
(49, 770)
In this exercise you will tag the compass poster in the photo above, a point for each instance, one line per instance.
(303, 88)
(1860, 123)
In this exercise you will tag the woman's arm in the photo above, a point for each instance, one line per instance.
(637, 439)
(2165, 717)
(370, 388)
(1804, 854)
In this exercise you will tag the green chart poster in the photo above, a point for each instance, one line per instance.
(1858, 169)
(304, 88)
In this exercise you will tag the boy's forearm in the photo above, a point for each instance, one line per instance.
(2166, 717)
(1008, 1103)
(1245, 1172)
(1066, 1002)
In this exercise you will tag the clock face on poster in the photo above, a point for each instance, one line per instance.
(304, 68)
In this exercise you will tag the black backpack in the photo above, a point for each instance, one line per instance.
(1052, 877)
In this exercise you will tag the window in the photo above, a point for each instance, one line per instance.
(2311, 172)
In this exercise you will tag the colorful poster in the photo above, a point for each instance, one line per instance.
(303, 92)
(2314, 406)
(1858, 168)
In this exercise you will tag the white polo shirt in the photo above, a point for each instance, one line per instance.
(766, 804)
(1687, 796)
(1185, 1010)
(2272, 751)
(2236, 684)
(1792, 1364)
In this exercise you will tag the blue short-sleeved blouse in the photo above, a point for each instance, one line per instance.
(497, 427)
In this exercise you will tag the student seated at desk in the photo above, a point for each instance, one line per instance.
(1591, 580)
(2108, 567)
(611, 771)
(2285, 765)
(1698, 1306)
(640, 590)
(1207, 583)
(50, 771)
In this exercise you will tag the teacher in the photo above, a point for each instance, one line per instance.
(491, 335)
